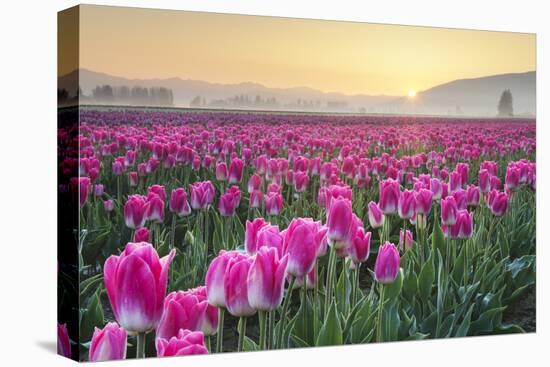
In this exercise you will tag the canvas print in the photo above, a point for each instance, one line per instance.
(232, 183)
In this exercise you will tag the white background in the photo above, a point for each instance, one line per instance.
(28, 181)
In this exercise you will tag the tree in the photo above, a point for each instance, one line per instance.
(506, 104)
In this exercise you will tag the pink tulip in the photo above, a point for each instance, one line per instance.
(406, 205)
(214, 280)
(273, 203)
(256, 199)
(386, 266)
(108, 343)
(473, 195)
(455, 181)
(301, 180)
(465, 221)
(484, 181)
(84, 185)
(187, 310)
(269, 236)
(134, 211)
(63, 341)
(360, 248)
(202, 194)
(389, 196)
(512, 179)
(340, 223)
(155, 208)
(185, 343)
(236, 286)
(300, 243)
(376, 217)
(229, 201)
(98, 190)
(436, 188)
(158, 190)
(178, 202)
(449, 211)
(108, 205)
(266, 279)
(498, 203)
(133, 179)
(254, 183)
(251, 234)
(141, 235)
(423, 201)
(236, 171)
(461, 196)
(309, 278)
(221, 171)
(136, 285)
(406, 241)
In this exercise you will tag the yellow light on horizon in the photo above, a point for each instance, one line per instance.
(412, 93)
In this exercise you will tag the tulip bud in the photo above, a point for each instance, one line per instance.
(465, 221)
(185, 343)
(108, 343)
(386, 266)
(376, 217)
(108, 205)
(155, 208)
(98, 190)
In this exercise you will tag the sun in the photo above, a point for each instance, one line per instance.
(411, 94)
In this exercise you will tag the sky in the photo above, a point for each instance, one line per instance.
(331, 56)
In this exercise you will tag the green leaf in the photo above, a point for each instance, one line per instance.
(438, 240)
(465, 325)
(393, 290)
(458, 266)
(249, 345)
(426, 280)
(331, 331)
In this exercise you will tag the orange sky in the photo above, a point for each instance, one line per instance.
(331, 56)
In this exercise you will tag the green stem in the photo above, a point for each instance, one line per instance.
(262, 319)
(173, 233)
(219, 336)
(380, 307)
(270, 329)
(242, 331)
(208, 344)
(140, 345)
(330, 275)
(283, 313)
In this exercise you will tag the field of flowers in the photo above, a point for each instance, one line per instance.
(209, 232)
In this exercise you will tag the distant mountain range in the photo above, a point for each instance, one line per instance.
(474, 97)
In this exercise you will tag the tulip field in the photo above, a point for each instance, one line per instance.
(209, 231)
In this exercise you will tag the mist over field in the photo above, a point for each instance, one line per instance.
(463, 97)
